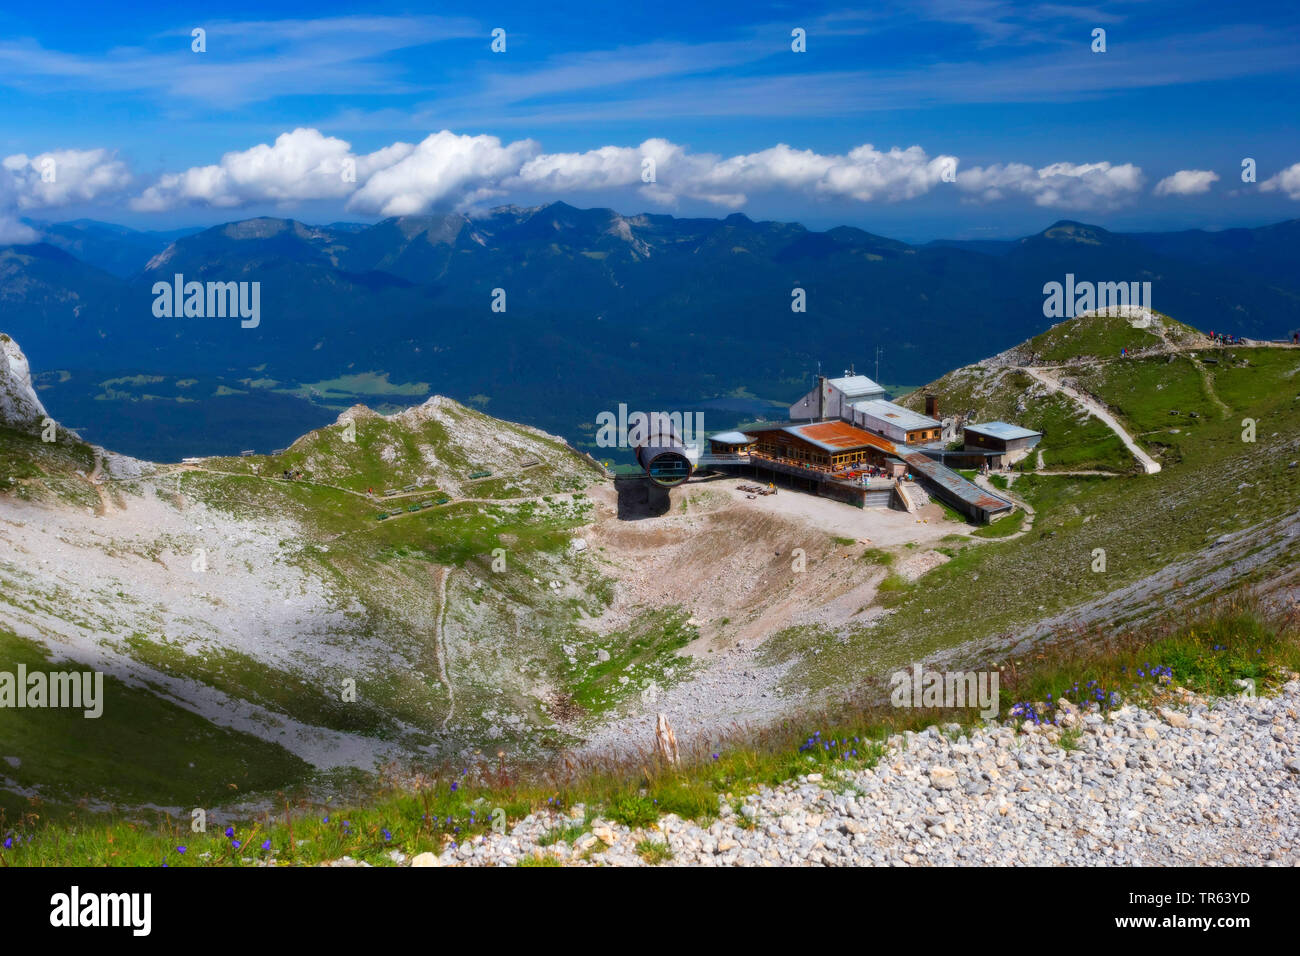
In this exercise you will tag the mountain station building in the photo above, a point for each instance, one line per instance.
(846, 440)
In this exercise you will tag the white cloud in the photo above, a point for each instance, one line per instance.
(1288, 181)
(603, 168)
(864, 173)
(1186, 182)
(445, 170)
(59, 177)
(11, 230)
(454, 171)
(64, 176)
(301, 165)
(1068, 185)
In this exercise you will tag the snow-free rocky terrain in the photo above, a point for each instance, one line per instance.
(1195, 783)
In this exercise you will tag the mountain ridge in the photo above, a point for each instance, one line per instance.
(695, 311)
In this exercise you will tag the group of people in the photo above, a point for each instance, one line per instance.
(290, 475)
(868, 472)
(1223, 338)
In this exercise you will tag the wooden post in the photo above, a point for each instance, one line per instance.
(665, 741)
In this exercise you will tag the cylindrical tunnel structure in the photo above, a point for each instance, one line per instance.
(661, 451)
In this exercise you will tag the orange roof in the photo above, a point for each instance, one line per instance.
(841, 435)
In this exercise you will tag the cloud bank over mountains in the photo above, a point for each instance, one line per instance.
(457, 171)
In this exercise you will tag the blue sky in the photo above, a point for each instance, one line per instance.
(888, 103)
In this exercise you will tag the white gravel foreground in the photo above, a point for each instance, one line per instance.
(1205, 783)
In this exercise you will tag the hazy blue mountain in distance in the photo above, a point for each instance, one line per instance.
(992, 247)
(117, 250)
(601, 308)
(1267, 252)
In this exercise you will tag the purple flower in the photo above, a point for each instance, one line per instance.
(235, 844)
(181, 849)
(9, 843)
(266, 845)
(455, 786)
(387, 836)
(230, 831)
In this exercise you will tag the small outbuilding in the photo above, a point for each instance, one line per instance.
(896, 423)
(1000, 436)
(731, 443)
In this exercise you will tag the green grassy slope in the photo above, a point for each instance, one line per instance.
(1205, 651)
(33, 470)
(1072, 440)
(1103, 336)
(1216, 483)
(435, 446)
(499, 640)
(141, 750)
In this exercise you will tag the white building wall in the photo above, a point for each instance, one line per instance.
(882, 427)
(806, 407)
(837, 404)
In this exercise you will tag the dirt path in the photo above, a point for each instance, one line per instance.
(1094, 408)
(1207, 380)
(440, 645)
(394, 515)
(277, 478)
(1075, 474)
(356, 494)
(983, 482)
(96, 480)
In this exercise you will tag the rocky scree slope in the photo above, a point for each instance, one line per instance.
(1199, 782)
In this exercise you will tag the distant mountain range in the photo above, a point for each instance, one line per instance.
(600, 308)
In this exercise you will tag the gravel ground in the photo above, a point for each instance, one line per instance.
(1196, 782)
(735, 691)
